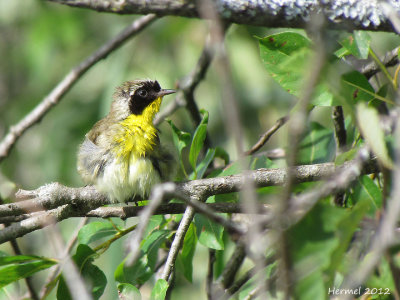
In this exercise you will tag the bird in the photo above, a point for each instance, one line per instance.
(122, 155)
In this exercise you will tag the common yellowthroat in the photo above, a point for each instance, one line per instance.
(122, 155)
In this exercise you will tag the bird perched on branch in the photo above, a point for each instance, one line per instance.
(122, 155)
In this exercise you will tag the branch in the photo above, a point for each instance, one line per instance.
(267, 135)
(65, 202)
(300, 205)
(157, 196)
(340, 129)
(232, 266)
(67, 83)
(341, 141)
(177, 242)
(389, 60)
(35, 223)
(53, 276)
(362, 14)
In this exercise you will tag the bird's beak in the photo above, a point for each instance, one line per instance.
(162, 93)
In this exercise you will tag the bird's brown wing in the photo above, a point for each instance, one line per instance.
(100, 126)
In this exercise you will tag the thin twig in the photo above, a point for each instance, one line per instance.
(240, 282)
(235, 287)
(340, 129)
(28, 280)
(210, 274)
(300, 205)
(391, 59)
(210, 214)
(267, 135)
(48, 286)
(253, 293)
(233, 265)
(177, 242)
(77, 287)
(158, 194)
(341, 138)
(66, 84)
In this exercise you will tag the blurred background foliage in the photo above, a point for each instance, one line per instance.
(40, 42)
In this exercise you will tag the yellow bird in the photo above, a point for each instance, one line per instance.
(121, 155)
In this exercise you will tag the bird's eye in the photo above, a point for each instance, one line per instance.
(142, 93)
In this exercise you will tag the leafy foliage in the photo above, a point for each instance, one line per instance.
(322, 247)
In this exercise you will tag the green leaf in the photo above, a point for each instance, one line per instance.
(346, 156)
(224, 198)
(203, 165)
(383, 92)
(21, 266)
(277, 50)
(341, 52)
(209, 233)
(94, 278)
(259, 162)
(357, 44)
(311, 287)
(383, 279)
(356, 88)
(317, 146)
(155, 223)
(143, 268)
(236, 167)
(219, 263)
(187, 253)
(312, 242)
(181, 138)
(127, 291)
(368, 121)
(366, 190)
(151, 244)
(346, 228)
(95, 231)
(286, 56)
(198, 140)
(139, 273)
(160, 290)
(62, 290)
(323, 96)
(5, 259)
(221, 153)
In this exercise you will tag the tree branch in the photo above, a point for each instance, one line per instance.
(340, 129)
(65, 202)
(177, 242)
(362, 14)
(267, 135)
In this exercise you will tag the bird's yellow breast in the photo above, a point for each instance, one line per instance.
(136, 135)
